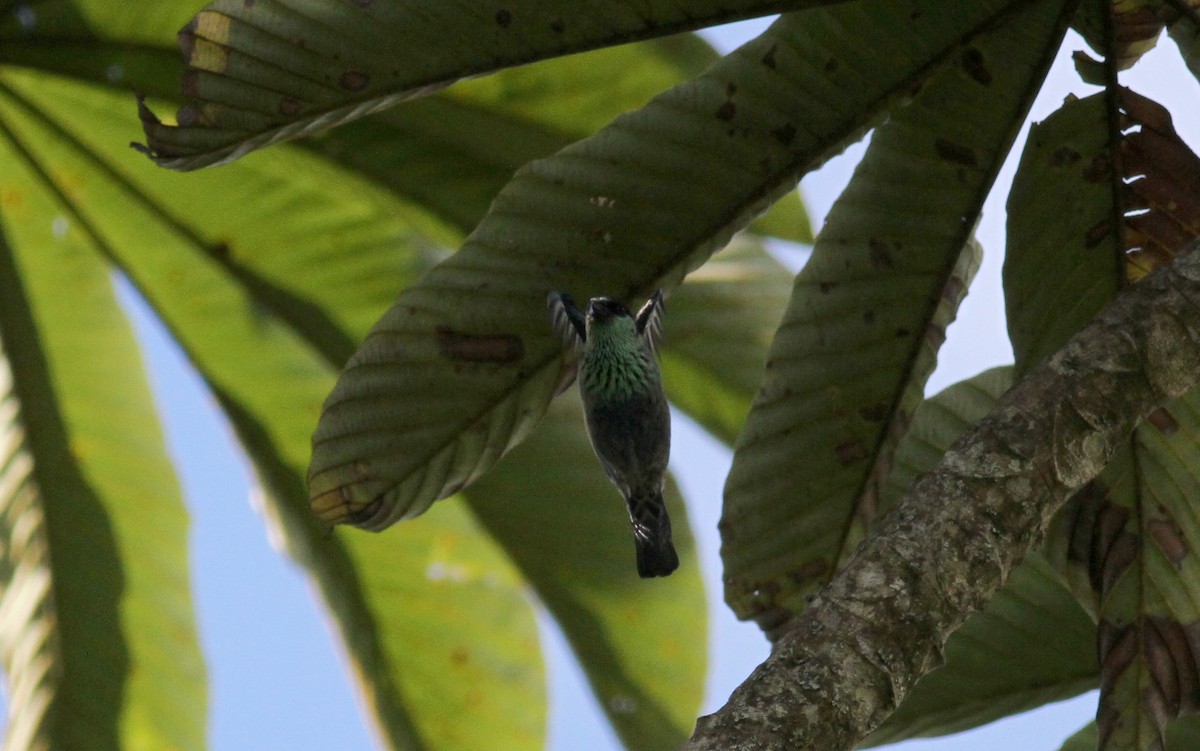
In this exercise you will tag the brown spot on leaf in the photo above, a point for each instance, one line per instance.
(601, 234)
(1162, 419)
(1096, 234)
(809, 572)
(364, 514)
(726, 111)
(773, 620)
(975, 66)
(955, 152)
(354, 80)
(1120, 556)
(189, 82)
(1098, 539)
(769, 58)
(290, 106)
(1168, 649)
(1118, 646)
(1169, 539)
(1098, 169)
(850, 452)
(186, 39)
(1191, 633)
(1064, 156)
(187, 116)
(459, 657)
(881, 255)
(953, 290)
(784, 133)
(875, 412)
(1113, 549)
(503, 18)
(493, 348)
(935, 336)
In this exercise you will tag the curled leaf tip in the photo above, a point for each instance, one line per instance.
(346, 504)
(149, 121)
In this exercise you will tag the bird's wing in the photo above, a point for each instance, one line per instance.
(649, 320)
(568, 320)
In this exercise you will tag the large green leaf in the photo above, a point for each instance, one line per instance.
(265, 71)
(126, 45)
(210, 255)
(848, 365)
(1065, 158)
(452, 152)
(566, 528)
(1032, 644)
(97, 634)
(1126, 540)
(464, 363)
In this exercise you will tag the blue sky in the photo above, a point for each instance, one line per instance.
(278, 678)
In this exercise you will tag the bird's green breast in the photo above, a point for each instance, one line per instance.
(616, 364)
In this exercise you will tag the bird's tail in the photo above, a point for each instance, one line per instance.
(652, 535)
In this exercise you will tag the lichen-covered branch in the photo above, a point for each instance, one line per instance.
(881, 623)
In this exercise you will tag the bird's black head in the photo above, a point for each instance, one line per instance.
(603, 308)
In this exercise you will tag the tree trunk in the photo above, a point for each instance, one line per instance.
(849, 659)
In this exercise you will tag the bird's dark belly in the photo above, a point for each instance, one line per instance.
(632, 439)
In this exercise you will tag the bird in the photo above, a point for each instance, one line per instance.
(625, 408)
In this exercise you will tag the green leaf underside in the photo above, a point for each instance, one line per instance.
(232, 283)
(1125, 541)
(1032, 644)
(868, 313)
(718, 327)
(566, 528)
(1063, 172)
(266, 71)
(29, 647)
(448, 153)
(98, 638)
(453, 152)
(474, 331)
(459, 637)
(125, 45)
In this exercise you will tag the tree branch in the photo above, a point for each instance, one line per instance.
(881, 623)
